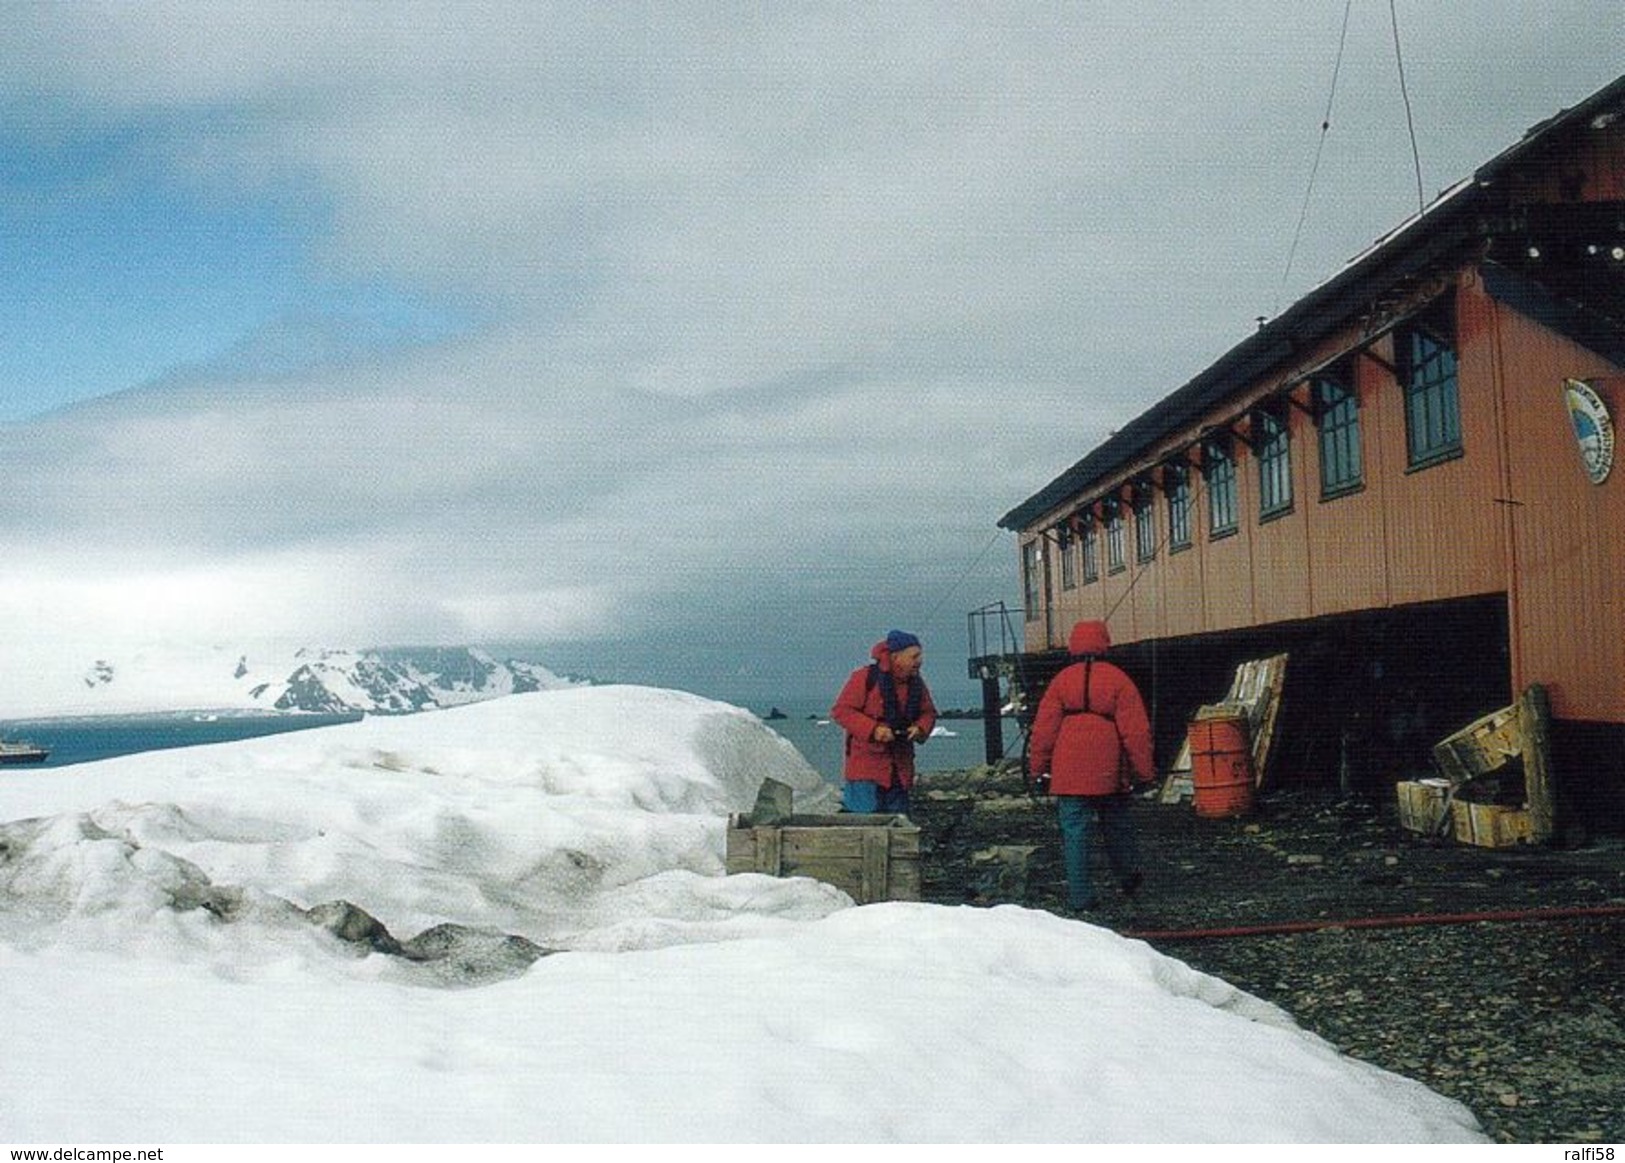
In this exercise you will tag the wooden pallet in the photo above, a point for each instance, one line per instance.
(1254, 694)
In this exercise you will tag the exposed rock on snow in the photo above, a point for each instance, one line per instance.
(51, 868)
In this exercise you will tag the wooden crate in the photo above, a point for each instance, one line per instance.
(1422, 805)
(1482, 746)
(869, 857)
(1491, 825)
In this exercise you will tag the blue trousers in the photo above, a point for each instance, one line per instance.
(862, 795)
(1122, 853)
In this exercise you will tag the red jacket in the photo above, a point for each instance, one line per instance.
(1089, 718)
(861, 707)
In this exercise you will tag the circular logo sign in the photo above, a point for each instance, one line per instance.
(1592, 428)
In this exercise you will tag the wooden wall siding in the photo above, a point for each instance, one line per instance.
(1444, 524)
(1565, 531)
(1282, 567)
(1347, 535)
(1182, 589)
(1442, 532)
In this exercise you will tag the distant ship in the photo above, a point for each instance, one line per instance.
(17, 751)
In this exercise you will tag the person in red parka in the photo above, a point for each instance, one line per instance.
(1091, 736)
(885, 708)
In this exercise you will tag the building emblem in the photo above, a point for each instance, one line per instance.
(1592, 428)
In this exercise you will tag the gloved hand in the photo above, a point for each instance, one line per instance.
(1040, 784)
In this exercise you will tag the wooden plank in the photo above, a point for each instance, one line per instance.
(850, 820)
(769, 850)
(905, 842)
(1424, 805)
(904, 882)
(1537, 771)
(846, 875)
(802, 844)
(1483, 746)
(1178, 786)
(1490, 825)
(875, 881)
(1255, 694)
(1271, 679)
(774, 803)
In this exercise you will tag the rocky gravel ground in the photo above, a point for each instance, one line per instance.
(1523, 1020)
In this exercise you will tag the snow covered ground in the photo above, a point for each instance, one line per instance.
(543, 948)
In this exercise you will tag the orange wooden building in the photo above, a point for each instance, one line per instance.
(1401, 480)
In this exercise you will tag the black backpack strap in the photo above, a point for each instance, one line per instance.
(1088, 675)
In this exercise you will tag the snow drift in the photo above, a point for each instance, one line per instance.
(278, 923)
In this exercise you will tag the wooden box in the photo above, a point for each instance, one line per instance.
(1422, 805)
(869, 857)
(1491, 825)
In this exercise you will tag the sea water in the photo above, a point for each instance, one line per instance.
(958, 743)
(81, 739)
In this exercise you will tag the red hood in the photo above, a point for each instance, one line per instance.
(881, 653)
(1090, 638)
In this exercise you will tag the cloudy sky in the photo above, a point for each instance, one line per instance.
(695, 343)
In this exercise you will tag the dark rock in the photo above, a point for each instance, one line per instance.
(460, 955)
(355, 925)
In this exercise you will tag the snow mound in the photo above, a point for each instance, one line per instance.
(276, 923)
(539, 815)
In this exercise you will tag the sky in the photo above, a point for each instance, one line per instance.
(170, 970)
(693, 344)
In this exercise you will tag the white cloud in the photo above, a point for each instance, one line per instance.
(768, 306)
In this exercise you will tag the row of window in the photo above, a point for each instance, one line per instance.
(1426, 369)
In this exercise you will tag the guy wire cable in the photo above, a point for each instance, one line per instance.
(926, 622)
(1410, 124)
(1325, 128)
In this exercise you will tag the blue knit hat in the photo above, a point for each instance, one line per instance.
(898, 641)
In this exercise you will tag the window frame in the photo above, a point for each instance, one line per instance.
(1089, 548)
(1272, 440)
(1428, 368)
(1220, 482)
(1116, 560)
(1337, 424)
(1063, 546)
(1032, 568)
(1176, 487)
(1145, 523)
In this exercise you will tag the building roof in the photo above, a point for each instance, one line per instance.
(1412, 249)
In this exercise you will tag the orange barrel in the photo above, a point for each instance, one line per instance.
(1221, 766)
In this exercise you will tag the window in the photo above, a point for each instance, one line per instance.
(1176, 482)
(1145, 524)
(1069, 558)
(1338, 410)
(1427, 372)
(1219, 473)
(1114, 536)
(1091, 549)
(1274, 463)
(1032, 569)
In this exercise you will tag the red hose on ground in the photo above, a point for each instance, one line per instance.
(1283, 927)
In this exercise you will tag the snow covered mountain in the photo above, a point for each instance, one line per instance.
(172, 677)
(399, 681)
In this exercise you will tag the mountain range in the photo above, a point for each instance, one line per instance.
(383, 680)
